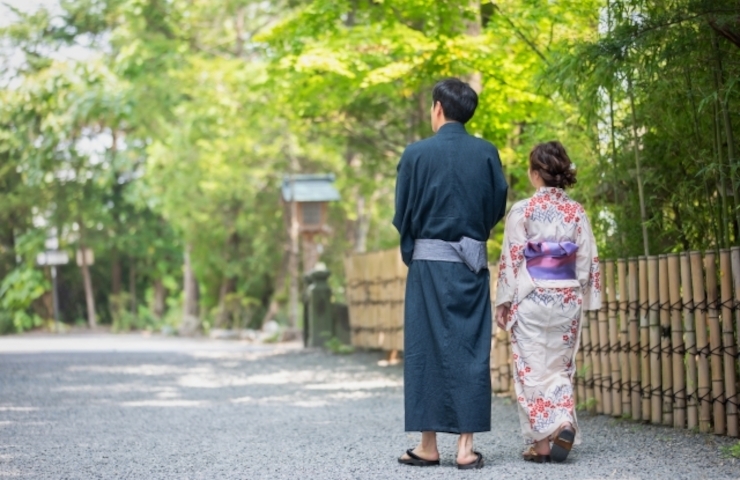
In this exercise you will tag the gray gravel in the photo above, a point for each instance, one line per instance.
(100, 406)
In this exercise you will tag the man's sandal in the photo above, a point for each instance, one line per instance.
(475, 464)
(562, 444)
(532, 456)
(416, 461)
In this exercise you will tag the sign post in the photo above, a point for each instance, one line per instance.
(52, 258)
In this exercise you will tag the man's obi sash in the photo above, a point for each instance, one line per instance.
(551, 260)
(468, 251)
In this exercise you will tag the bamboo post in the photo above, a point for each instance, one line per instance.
(687, 296)
(735, 266)
(702, 342)
(728, 342)
(580, 379)
(613, 329)
(656, 401)
(588, 364)
(596, 362)
(666, 361)
(606, 373)
(624, 343)
(677, 344)
(634, 340)
(644, 340)
(715, 345)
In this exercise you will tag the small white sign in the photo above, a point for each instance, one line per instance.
(52, 257)
(89, 257)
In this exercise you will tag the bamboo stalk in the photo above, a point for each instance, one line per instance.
(606, 374)
(634, 340)
(656, 401)
(644, 340)
(588, 364)
(679, 373)
(624, 337)
(665, 341)
(702, 342)
(687, 296)
(596, 362)
(715, 345)
(728, 342)
(613, 326)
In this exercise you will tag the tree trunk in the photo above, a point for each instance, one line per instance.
(132, 286)
(160, 298)
(116, 274)
(89, 297)
(293, 263)
(473, 29)
(727, 123)
(636, 146)
(190, 321)
(363, 225)
(278, 286)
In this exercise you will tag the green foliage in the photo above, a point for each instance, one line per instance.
(334, 345)
(731, 451)
(586, 404)
(18, 291)
(174, 131)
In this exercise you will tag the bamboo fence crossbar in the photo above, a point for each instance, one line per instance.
(662, 349)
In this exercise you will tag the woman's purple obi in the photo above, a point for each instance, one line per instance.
(551, 260)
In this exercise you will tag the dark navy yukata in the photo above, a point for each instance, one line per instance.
(449, 186)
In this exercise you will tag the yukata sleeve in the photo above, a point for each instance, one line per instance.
(587, 264)
(402, 219)
(512, 256)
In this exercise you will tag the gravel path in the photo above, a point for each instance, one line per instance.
(109, 407)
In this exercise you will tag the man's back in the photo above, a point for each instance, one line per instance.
(457, 186)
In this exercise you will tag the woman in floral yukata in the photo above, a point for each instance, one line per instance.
(548, 276)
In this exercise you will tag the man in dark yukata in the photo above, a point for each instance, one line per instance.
(450, 192)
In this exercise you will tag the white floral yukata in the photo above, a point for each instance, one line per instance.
(545, 315)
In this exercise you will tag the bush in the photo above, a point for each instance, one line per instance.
(18, 291)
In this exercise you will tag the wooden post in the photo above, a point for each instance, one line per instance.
(677, 344)
(596, 362)
(715, 345)
(692, 402)
(656, 401)
(702, 342)
(634, 340)
(588, 364)
(644, 339)
(728, 342)
(606, 373)
(666, 360)
(624, 337)
(614, 348)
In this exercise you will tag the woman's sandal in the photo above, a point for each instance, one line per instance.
(416, 461)
(532, 456)
(477, 463)
(562, 444)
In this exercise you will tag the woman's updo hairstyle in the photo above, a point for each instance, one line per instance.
(551, 161)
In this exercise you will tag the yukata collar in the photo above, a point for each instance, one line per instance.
(452, 127)
(548, 191)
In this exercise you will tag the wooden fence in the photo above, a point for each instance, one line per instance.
(662, 349)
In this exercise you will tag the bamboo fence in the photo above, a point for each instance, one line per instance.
(662, 349)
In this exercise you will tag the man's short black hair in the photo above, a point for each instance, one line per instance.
(458, 99)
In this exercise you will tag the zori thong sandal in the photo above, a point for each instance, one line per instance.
(532, 456)
(475, 464)
(416, 461)
(562, 443)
